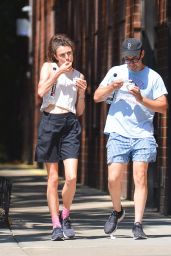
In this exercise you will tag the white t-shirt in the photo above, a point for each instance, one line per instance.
(65, 92)
(126, 116)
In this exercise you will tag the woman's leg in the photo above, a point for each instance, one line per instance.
(52, 193)
(68, 192)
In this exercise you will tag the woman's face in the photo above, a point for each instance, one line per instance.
(63, 54)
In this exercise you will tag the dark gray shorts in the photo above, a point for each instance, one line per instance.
(58, 137)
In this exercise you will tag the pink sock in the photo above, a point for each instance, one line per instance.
(55, 221)
(65, 213)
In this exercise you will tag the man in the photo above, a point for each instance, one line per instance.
(138, 92)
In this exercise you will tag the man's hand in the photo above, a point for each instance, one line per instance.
(117, 84)
(135, 91)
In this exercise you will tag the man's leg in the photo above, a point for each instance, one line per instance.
(140, 193)
(140, 197)
(115, 173)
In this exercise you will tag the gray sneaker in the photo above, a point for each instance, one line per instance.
(113, 220)
(138, 232)
(68, 231)
(57, 234)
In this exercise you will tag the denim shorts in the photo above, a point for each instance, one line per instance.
(58, 137)
(121, 149)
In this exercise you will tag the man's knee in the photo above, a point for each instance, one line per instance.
(140, 180)
(113, 181)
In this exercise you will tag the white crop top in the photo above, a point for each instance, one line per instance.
(64, 93)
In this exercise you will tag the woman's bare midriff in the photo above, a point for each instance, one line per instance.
(55, 110)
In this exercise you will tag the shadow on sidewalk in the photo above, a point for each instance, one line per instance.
(30, 218)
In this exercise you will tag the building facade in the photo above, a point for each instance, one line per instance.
(98, 27)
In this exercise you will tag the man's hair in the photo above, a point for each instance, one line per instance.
(57, 41)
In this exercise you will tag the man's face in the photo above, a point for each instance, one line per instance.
(134, 62)
(63, 54)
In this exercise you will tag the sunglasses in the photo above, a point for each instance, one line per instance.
(133, 60)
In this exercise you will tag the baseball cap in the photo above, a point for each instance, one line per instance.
(131, 47)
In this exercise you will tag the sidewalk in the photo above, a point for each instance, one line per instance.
(31, 225)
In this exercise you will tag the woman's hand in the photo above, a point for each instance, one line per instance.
(65, 67)
(81, 85)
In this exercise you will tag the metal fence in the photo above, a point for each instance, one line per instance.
(5, 195)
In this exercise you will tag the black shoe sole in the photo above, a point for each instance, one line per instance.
(58, 239)
(68, 237)
(140, 238)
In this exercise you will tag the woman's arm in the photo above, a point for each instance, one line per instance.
(48, 77)
(80, 104)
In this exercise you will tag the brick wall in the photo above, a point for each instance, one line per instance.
(43, 29)
(162, 50)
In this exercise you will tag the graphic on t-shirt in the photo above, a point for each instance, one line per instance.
(137, 81)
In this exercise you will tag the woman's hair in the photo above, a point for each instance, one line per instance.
(57, 41)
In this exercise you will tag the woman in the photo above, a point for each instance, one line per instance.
(63, 91)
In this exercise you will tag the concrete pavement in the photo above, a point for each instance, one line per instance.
(31, 225)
